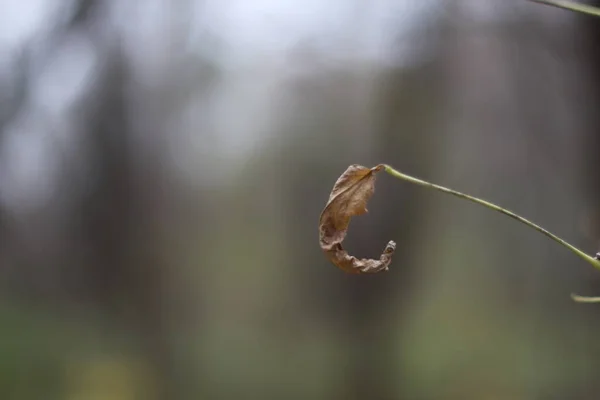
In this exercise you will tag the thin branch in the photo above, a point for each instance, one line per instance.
(593, 261)
(571, 6)
(583, 299)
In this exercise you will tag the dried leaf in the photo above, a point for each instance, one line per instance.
(348, 198)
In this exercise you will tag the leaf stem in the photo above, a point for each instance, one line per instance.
(397, 174)
(571, 6)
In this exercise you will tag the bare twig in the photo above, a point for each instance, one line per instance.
(571, 6)
(595, 262)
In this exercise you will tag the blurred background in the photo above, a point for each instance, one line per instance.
(163, 165)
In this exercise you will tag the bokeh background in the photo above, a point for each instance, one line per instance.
(163, 165)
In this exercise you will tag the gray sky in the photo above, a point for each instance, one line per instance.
(257, 35)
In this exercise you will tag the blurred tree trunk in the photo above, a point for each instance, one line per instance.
(404, 132)
(591, 25)
(591, 28)
(389, 118)
(125, 269)
(123, 266)
(14, 89)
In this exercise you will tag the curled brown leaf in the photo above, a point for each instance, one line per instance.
(349, 198)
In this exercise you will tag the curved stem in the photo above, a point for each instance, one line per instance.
(595, 263)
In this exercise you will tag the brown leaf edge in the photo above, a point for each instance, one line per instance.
(349, 198)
